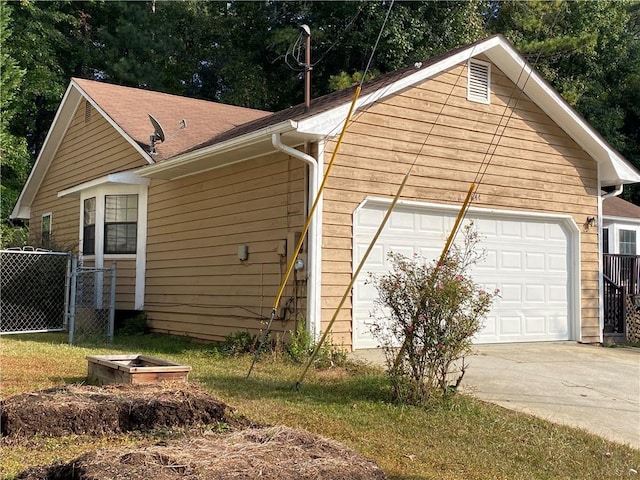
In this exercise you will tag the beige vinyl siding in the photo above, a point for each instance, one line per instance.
(89, 150)
(195, 283)
(125, 281)
(534, 166)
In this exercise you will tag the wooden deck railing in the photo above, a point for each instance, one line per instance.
(621, 275)
(623, 270)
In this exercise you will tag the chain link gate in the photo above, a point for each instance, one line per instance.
(92, 303)
(33, 291)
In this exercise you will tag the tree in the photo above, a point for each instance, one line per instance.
(14, 158)
(590, 52)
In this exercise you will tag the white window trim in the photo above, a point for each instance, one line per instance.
(50, 215)
(470, 95)
(614, 226)
(100, 258)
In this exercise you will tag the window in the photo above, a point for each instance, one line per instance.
(120, 223)
(45, 240)
(628, 242)
(478, 81)
(89, 227)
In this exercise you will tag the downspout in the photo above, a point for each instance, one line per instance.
(614, 193)
(617, 191)
(313, 249)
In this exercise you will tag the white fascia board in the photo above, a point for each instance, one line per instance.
(146, 155)
(124, 178)
(331, 122)
(222, 147)
(630, 221)
(58, 129)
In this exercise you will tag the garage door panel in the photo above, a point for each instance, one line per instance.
(535, 262)
(403, 221)
(534, 293)
(535, 325)
(376, 256)
(511, 260)
(557, 293)
(525, 257)
(535, 231)
(558, 325)
(510, 230)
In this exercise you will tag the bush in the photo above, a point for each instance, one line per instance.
(239, 343)
(431, 312)
(136, 325)
(302, 345)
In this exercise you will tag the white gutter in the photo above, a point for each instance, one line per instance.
(617, 191)
(314, 259)
(222, 147)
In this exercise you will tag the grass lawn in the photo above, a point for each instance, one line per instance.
(467, 439)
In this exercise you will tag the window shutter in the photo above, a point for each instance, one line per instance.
(479, 74)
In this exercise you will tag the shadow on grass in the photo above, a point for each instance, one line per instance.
(155, 342)
(345, 391)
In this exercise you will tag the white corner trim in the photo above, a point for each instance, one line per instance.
(315, 309)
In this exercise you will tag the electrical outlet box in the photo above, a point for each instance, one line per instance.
(243, 252)
(292, 240)
(281, 249)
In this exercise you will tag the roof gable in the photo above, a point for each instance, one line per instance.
(127, 109)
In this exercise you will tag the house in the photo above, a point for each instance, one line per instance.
(203, 229)
(620, 226)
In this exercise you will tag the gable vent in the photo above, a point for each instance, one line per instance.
(479, 78)
(87, 112)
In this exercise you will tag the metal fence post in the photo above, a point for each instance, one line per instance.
(112, 303)
(72, 300)
(67, 293)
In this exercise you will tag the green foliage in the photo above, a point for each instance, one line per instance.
(343, 80)
(239, 343)
(136, 325)
(13, 236)
(432, 312)
(301, 346)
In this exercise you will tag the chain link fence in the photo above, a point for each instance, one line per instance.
(33, 291)
(42, 291)
(92, 304)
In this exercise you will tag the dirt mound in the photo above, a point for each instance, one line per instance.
(276, 453)
(88, 410)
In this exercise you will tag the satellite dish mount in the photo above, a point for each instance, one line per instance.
(156, 136)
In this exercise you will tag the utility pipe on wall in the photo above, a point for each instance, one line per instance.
(313, 250)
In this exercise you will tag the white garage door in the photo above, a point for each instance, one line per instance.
(527, 259)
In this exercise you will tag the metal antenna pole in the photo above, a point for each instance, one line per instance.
(307, 65)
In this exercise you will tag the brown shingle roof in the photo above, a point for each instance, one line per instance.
(617, 207)
(128, 107)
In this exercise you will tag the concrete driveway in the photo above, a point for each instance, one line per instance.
(585, 386)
